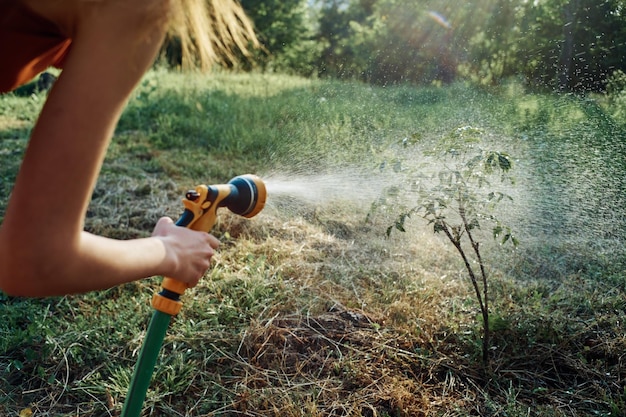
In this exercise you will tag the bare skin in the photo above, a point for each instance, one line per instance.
(43, 248)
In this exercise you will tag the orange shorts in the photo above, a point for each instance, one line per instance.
(29, 44)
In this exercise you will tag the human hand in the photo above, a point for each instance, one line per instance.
(188, 252)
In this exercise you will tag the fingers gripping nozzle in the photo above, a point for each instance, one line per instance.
(244, 195)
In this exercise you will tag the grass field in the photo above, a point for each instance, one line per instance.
(309, 309)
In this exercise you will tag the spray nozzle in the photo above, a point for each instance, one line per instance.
(244, 195)
(247, 196)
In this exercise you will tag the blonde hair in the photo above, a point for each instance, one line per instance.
(211, 31)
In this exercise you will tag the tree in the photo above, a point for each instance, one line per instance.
(492, 48)
(387, 41)
(285, 31)
(340, 55)
(572, 45)
(459, 203)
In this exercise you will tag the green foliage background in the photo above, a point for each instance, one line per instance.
(570, 45)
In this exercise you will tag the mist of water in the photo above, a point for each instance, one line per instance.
(570, 195)
(355, 186)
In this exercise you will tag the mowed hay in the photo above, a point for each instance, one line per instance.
(341, 363)
(345, 350)
(350, 323)
(375, 327)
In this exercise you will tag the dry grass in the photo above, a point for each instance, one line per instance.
(378, 327)
(332, 319)
(309, 310)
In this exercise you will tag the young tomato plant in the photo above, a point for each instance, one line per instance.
(458, 201)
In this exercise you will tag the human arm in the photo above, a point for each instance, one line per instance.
(43, 248)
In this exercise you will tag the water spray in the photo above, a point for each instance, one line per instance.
(244, 195)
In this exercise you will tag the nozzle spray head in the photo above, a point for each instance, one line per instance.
(244, 195)
(247, 196)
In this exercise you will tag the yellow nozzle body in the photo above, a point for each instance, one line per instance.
(244, 195)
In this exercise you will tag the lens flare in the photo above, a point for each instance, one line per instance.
(439, 18)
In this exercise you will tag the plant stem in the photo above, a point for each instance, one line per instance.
(485, 304)
(479, 296)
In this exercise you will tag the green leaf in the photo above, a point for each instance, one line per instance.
(18, 365)
(473, 224)
(504, 162)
